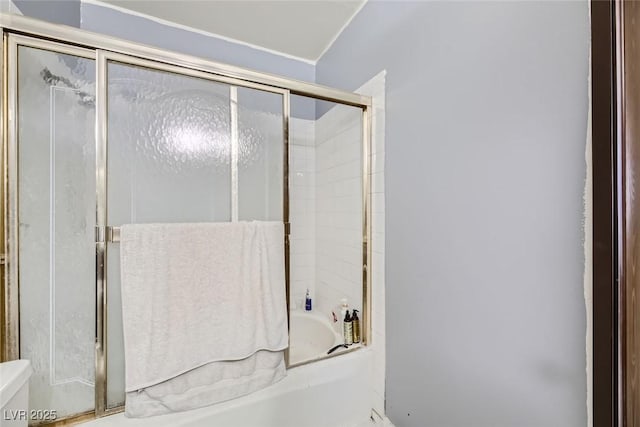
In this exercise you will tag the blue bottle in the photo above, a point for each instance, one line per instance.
(307, 302)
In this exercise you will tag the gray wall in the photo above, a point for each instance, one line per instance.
(485, 139)
(142, 30)
(66, 12)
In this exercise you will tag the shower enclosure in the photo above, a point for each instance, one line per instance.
(99, 132)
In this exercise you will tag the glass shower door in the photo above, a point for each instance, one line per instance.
(53, 163)
(183, 148)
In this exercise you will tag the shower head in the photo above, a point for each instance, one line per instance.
(86, 99)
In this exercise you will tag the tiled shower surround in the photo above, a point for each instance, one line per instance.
(302, 205)
(326, 209)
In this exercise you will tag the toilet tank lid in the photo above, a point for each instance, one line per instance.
(13, 375)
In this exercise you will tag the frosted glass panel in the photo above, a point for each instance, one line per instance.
(260, 155)
(169, 160)
(169, 147)
(56, 178)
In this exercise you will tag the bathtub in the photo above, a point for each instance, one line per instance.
(335, 392)
(310, 337)
(14, 393)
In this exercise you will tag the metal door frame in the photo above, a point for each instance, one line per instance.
(22, 31)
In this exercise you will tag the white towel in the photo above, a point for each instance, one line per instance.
(201, 296)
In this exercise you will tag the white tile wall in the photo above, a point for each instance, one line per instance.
(302, 209)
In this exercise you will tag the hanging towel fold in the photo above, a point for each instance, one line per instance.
(201, 300)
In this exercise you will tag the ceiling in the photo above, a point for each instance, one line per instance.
(301, 28)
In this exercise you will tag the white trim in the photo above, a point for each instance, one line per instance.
(233, 109)
(7, 6)
(387, 422)
(52, 235)
(346, 24)
(198, 31)
(587, 229)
